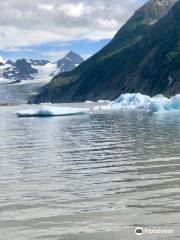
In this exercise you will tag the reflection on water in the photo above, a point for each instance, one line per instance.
(89, 177)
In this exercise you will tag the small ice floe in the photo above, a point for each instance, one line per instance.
(48, 103)
(47, 111)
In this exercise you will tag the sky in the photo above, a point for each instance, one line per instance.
(44, 29)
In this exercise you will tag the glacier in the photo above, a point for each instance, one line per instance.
(138, 101)
(49, 111)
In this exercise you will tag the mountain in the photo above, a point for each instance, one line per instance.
(69, 62)
(38, 62)
(137, 26)
(142, 57)
(10, 62)
(24, 69)
(21, 69)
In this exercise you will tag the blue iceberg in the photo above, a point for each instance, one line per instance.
(137, 101)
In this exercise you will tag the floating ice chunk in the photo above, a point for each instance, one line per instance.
(47, 111)
(132, 101)
(103, 101)
(163, 104)
(48, 103)
(127, 101)
(136, 101)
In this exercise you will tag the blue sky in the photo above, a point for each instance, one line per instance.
(56, 50)
(42, 29)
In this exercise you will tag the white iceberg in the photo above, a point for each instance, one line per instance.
(103, 101)
(137, 101)
(131, 101)
(49, 111)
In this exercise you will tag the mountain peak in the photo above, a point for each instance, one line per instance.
(21, 61)
(71, 53)
(153, 10)
(163, 2)
(74, 56)
(24, 66)
(9, 62)
(77, 59)
(69, 62)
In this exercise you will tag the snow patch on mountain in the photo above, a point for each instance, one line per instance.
(45, 72)
(3, 69)
(2, 60)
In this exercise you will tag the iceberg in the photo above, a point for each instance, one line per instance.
(49, 111)
(128, 101)
(103, 101)
(132, 101)
(137, 101)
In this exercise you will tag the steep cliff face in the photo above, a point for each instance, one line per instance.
(142, 57)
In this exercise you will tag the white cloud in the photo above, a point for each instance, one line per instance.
(72, 10)
(18, 49)
(29, 22)
(55, 54)
(98, 35)
(46, 7)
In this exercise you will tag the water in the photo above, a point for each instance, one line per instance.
(92, 177)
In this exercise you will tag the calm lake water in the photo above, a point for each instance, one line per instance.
(91, 177)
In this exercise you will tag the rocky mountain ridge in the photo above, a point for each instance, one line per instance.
(24, 69)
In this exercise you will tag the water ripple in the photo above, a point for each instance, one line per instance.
(93, 177)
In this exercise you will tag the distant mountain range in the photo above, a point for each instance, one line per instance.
(144, 56)
(24, 69)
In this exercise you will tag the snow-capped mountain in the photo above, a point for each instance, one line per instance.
(20, 70)
(24, 69)
(69, 62)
